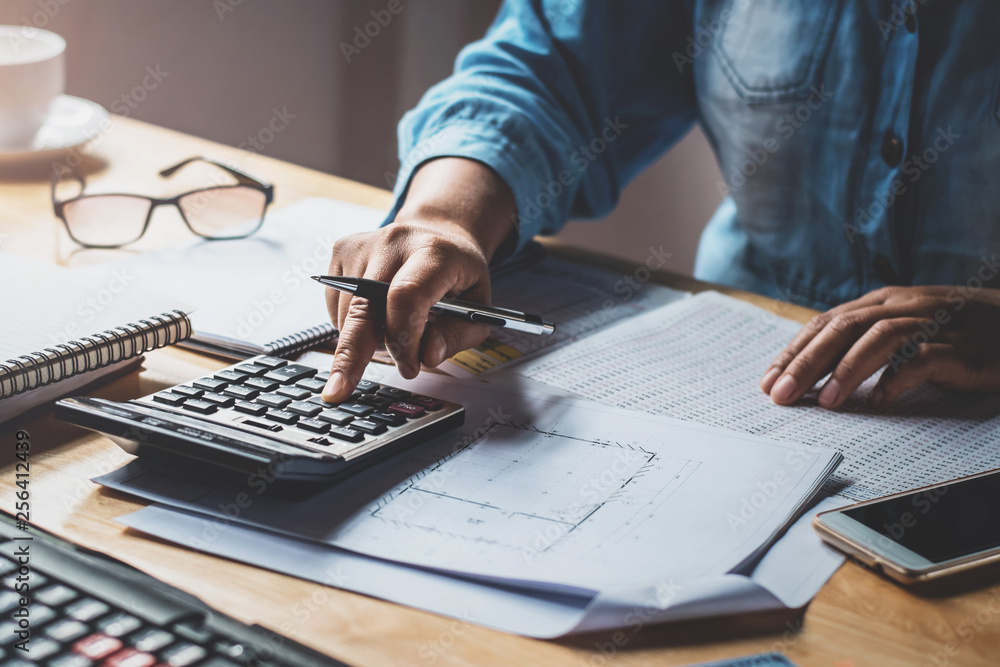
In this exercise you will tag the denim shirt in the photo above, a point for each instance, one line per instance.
(859, 140)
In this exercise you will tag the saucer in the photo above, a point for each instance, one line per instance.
(71, 123)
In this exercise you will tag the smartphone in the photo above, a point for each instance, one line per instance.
(937, 539)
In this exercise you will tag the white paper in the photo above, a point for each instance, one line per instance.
(578, 299)
(547, 491)
(701, 360)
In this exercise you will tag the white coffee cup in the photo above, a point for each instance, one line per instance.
(32, 76)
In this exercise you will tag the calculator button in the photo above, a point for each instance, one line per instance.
(290, 374)
(318, 400)
(152, 639)
(390, 418)
(262, 384)
(221, 400)
(69, 660)
(377, 402)
(183, 655)
(199, 406)
(282, 416)
(425, 402)
(42, 648)
(56, 595)
(87, 609)
(335, 417)
(97, 646)
(357, 409)
(304, 408)
(241, 392)
(185, 390)
(314, 425)
(66, 629)
(369, 427)
(312, 384)
(119, 625)
(169, 397)
(210, 384)
(394, 393)
(294, 392)
(249, 408)
(368, 387)
(273, 400)
(230, 375)
(129, 657)
(407, 409)
(348, 434)
(251, 369)
(269, 362)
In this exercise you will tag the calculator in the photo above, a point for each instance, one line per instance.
(265, 416)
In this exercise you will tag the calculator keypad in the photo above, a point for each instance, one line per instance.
(282, 400)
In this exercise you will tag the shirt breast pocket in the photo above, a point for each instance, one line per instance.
(773, 50)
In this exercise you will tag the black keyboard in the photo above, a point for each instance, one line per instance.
(267, 414)
(71, 608)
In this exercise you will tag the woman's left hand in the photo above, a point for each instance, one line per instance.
(942, 334)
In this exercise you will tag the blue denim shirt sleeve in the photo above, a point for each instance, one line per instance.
(556, 98)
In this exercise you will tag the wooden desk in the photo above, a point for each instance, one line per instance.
(857, 620)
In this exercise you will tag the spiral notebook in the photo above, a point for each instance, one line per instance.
(63, 329)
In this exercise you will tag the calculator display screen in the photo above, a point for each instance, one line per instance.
(940, 524)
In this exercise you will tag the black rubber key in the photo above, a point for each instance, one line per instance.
(190, 392)
(249, 408)
(221, 400)
(290, 374)
(210, 384)
(312, 384)
(369, 427)
(297, 393)
(230, 375)
(270, 362)
(252, 369)
(390, 418)
(304, 408)
(200, 406)
(348, 434)
(377, 402)
(394, 393)
(335, 417)
(273, 400)
(357, 409)
(241, 392)
(282, 416)
(314, 425)
(169, 397)
(368, 387)
(262, 384)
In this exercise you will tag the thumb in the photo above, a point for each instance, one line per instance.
(446, 336)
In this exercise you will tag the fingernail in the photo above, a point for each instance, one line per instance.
(783, 389)
(831, 391)
(877, 397)
(438, 349)
(334, 385)
(765, 382)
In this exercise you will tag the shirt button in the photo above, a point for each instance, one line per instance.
(884, 271)
(910, 21)
(892, 149)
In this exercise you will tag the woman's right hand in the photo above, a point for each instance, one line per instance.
(457, 214)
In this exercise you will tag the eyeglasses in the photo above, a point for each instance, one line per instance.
(219, 212)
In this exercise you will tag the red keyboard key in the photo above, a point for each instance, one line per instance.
(409, 409)
(130, 657)
(97, 646)
(427, 402)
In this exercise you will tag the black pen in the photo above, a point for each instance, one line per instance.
(377, 291)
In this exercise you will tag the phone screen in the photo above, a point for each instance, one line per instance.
(942, 523)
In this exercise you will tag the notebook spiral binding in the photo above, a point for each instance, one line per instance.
(91, 352)
(302, 341)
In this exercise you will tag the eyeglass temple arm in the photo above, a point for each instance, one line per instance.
(241, 177)
(57, 177)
